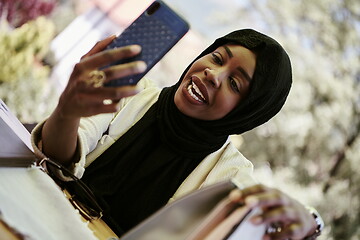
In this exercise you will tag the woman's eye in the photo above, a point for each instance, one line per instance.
(217, 59)
(234, 85)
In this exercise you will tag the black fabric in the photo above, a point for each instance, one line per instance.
(138, 174)
(269, 86)
(182, 134)
(141, 171)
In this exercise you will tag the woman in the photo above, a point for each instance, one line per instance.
(160, 144)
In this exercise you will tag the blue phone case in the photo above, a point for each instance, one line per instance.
(157, 30)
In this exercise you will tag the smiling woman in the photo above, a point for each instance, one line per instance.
(216, 83)
(138, 152)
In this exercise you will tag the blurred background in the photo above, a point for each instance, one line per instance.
(311, 149)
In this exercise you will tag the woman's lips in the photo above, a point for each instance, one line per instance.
(197, 90)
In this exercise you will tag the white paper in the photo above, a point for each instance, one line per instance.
(247, 230)
(32, 204)
(15, 140)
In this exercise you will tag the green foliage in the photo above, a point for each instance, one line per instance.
(23, 77)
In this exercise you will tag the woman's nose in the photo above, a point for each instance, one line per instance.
(213, 77)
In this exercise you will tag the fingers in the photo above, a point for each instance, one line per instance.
(277, 208)
(251, 195)
(254, 190)
(83, 97)
(281, 214)
(268, 199)
(260, 195)
(83, 101)
(104, 93)
(109, 56)
(119, 71)
(292, 231)
(99, 46)
(288, 221)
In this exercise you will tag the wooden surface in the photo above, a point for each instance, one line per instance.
(101, 229)
(6, 233)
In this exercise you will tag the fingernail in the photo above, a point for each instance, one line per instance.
(141, 66)
(256, 220)
(135, 48)
(235, 195)
(251, 201)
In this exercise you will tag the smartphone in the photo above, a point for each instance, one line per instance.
(156, 30)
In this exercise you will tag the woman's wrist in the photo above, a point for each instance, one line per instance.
(60, 115)
(59, 138)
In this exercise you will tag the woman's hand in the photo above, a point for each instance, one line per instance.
(80, 99)
(278, 209)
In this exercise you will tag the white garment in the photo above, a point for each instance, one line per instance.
(225, 163)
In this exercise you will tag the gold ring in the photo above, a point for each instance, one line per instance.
(96, 78)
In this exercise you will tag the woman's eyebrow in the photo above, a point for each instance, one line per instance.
(240, 69)
(228, 51)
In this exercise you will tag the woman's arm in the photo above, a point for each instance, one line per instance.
(59, 138)
(59, 133)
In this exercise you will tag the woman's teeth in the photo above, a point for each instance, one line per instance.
(195, 92)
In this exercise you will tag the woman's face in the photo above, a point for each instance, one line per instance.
(216, 83)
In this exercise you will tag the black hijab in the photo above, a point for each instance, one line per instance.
(269, 87)
(144, 167)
